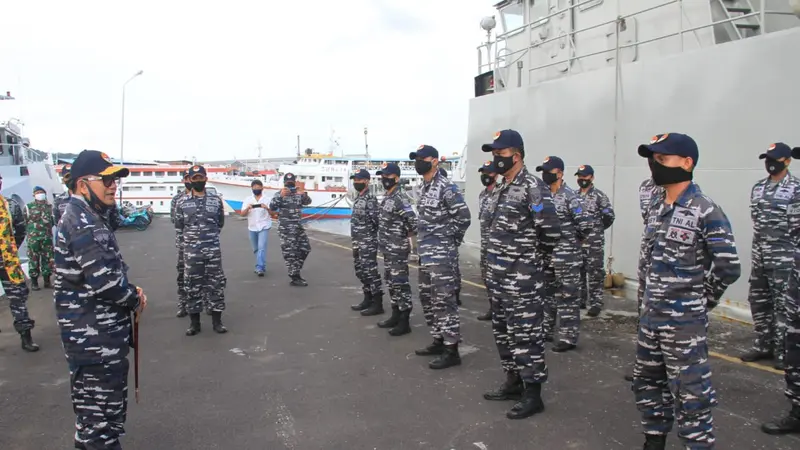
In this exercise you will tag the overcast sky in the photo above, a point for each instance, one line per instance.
(220, 76)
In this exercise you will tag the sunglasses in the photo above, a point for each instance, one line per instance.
(108, 181)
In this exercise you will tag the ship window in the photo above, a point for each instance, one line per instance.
(23, 171)
(136, 174)
(338, 179)
(131, 188)
(333, 195)
(513, 15)
(172, 174)
(159, 174)
(147, 174)
(162, 203)
(158, 188)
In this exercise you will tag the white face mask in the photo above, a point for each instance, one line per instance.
(40, 197)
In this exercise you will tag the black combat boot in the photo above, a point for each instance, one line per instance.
(35, 283)
(27, 342)
(786, 425)
(297, 281)
(755, 355)
(655, 442)
(531, 402)
(448, 358)
(779, 364)
(458, 297)
(487, 316)
(216, 322)
(194, 325)
(376, 307)
(391, 321)
(364, 303)
(594, 311)
(47, 284)
(562, 346)
(437, 348)
(403, 325)
(511, 389)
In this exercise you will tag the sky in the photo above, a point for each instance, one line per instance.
(220, 77)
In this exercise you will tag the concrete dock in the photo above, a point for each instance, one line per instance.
(299, 370)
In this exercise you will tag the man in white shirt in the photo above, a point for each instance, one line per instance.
(256, 208)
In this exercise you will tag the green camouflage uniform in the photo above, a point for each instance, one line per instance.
(40, 239)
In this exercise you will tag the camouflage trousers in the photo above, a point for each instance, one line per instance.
(792, 360)
(437, 289)
(204, 276)
(181, 268)
(295, 248)
(457, 271)
(562, 301)
(767, 297)
(40, 257)
(517, 316)
(672, 377)
(100, 400)
(365, 260)
(395, 273)
(592, 272)
(17, 295)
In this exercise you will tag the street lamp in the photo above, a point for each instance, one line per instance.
(122, 128)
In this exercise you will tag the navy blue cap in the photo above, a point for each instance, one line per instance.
(796, 153)
(671, 144)
(194, 170)
(550, 163)
(362, 174)
(585, 170)
(777, 150)
(488, 167)
(92, 162)
(505, 139)
(389, 169)
(289, 177)
(185, 173)
(424, 151)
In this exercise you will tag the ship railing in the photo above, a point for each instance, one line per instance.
(503, 54)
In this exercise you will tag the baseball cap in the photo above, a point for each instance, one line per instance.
(194, 170)
(505, 139)
(389, 169)
(488, 166)
(671, 144)
(362, 174)
(38, 188)
(777, 150)
(93, 162)
(424, 151)
(550, 163)
(585, 170)
(289, 177)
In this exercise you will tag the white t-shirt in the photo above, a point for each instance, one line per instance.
(257, 218)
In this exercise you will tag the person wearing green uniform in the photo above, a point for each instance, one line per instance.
(39, 216)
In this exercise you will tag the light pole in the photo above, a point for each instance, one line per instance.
(122, 128)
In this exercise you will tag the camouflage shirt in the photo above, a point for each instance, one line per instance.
(201, 219)
(775, 211)
(396, 222)
(39, 216)
(364, 220)
(443, 219)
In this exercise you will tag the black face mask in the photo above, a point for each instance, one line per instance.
(188, 185)
(486, 180)
(584, 183)
(663, 175)
(257, 191)
(549, 178)
(96, 203)
(774, 166)
(198, 186)
(423, 167)
(290, 184)
(360, 186)
(503, 163)
(388, 183)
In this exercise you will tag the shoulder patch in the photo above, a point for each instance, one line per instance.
(793, 209)
(102, 236)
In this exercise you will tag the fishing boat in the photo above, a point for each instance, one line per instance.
(591, 80)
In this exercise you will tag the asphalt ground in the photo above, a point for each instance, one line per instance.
(299, 370)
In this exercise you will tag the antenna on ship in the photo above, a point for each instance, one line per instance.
(334, 144)
(366, 144)
(260, 161)
(298, 146)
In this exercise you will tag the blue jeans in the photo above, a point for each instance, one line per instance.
(258, 239)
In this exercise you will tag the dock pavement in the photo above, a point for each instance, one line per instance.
(299, 370)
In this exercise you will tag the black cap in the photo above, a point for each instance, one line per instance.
(777, 150)
(505, 139)
(584, 171)
(424, 151)
(389, 169)
(362, 174)
(671, 144)
(488, 167)
(92, 162)
(550, 163)
(194, 170)
(289, 177)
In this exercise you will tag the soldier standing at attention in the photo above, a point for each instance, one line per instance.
(92, 293)
(485, 216)
(686, 234)
(775, 211)
(295, 246)
(397, 222)
(443, 221)
(200, 218)
(39, 216)
(178, 200)
(457, 267)
(601, 214)
(563, 301)
(364, 232)
(524, 232)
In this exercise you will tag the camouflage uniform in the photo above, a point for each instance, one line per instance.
(12, 233)
(397, 220)
(178, 200)
(485, 216)
(39, 216)
(364, 232)
(648, 191)
(294, 241)
(59, 206)
(601, 214)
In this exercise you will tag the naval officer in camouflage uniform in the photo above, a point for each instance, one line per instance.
(200, 219)
(94, 301)
(178, 200)
(601, 214)
(485, 215)
(563, 301)
(457, 267)
(775, 211)
(692, 259)
(443, 221)
(295, 246)
(39, 216)
(397, 222)
(523, 236)
(364, 233)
